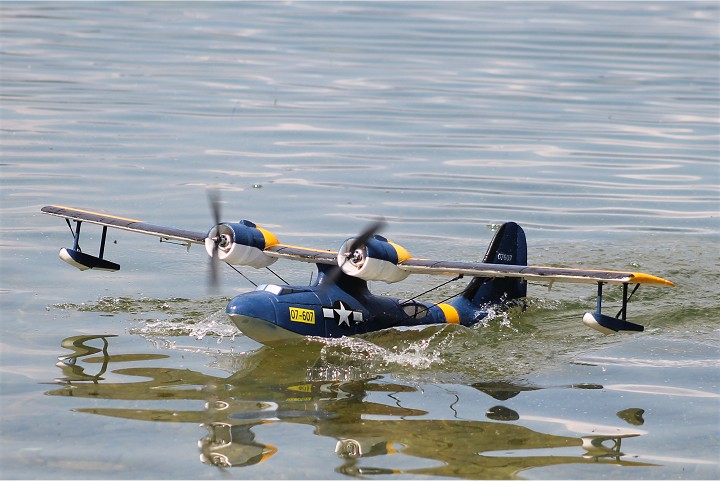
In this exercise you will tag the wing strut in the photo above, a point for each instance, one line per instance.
(626, 299)
(606, 324)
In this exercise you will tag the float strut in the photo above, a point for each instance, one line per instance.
(607, 324)
(76, 241)
(626, 299)
(102, 243)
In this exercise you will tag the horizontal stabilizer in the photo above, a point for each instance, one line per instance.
(608, 325)
(84, 261)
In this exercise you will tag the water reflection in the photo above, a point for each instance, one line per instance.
(68, 363)
(375, 433)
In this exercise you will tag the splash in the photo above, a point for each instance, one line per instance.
(405, 348)
(171, 317)
(510, 341)
(214, 324)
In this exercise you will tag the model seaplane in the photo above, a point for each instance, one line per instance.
(339, 302)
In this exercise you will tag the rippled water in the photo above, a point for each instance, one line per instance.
(594, 125)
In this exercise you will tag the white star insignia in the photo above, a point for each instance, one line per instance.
(344, 315)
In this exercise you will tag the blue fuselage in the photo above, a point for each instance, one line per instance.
(275, 314)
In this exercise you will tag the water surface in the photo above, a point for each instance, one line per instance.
(593, 125)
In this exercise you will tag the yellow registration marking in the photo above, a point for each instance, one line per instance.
(306, 316)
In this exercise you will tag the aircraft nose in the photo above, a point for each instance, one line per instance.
(255, 315)
(252, 306)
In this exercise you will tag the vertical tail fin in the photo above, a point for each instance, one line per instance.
(507, 247)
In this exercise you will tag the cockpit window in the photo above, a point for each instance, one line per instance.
(415, 309)
(272, 288)
(277, 290)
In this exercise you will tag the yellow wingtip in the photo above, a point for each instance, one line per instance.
(641, 278)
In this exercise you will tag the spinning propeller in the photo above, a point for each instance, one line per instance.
(356, 253)
(218, 241)
(356, 250)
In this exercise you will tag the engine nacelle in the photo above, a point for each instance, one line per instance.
(376, 260)
(241, 243)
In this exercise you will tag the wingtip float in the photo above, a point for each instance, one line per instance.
(339, 303)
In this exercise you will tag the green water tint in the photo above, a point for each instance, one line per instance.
(365, 414)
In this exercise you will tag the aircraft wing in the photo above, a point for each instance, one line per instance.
(132, 225)
(535, 273)
(304, 254)
(278, 250)
(411, 265)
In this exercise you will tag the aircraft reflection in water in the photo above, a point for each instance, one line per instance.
(296, 386)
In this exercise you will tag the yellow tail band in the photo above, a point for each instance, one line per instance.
(451, 314)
